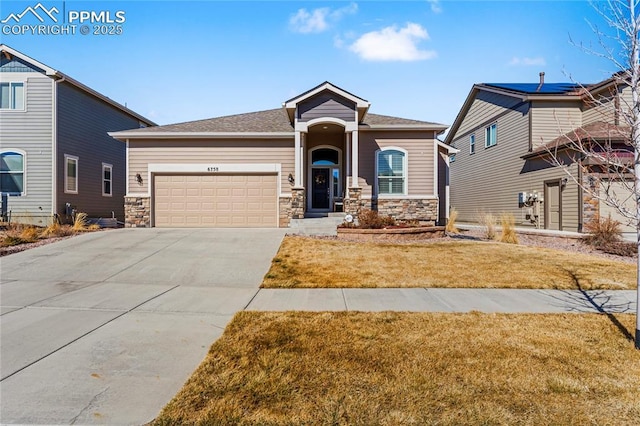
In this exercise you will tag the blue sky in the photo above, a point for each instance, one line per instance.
(179, 61)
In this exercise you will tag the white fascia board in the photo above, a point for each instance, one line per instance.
(327, 86)
(199, 135)
(214, 168)
(449, 148)
(48, 70)
(553, 98)
(436, 128)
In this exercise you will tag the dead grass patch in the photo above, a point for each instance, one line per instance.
(399, 368)
(313, 263)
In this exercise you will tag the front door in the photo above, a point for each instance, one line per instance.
(320, 188)
(553, 205)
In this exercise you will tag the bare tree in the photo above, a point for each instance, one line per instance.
(608, 151)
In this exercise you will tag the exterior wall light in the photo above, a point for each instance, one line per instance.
(139, 178)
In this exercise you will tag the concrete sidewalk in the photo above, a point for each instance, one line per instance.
(445, 300)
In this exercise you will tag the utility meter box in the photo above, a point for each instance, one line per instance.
(522, 197)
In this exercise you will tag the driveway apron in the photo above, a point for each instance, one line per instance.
(105, 328)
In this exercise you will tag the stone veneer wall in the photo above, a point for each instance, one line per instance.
(424, 211)
(297, 203)
(353, 204)
(137, 212)
(285, 212)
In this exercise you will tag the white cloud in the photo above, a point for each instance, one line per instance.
(393, 44)
(317, 20)
(527, 62)
(435, 6)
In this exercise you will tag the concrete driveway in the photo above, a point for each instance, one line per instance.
(105, 328)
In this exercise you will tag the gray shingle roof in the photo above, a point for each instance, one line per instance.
(269, 121)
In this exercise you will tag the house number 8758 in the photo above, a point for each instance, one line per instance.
(212, 169)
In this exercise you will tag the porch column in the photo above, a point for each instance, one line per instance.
(298, 160)
(354, 159)
(347, 172)
(303, 149)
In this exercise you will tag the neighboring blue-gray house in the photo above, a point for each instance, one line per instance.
(54, 146)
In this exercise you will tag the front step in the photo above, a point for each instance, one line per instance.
(326, 225)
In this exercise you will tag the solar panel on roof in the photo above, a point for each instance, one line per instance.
(532, 88)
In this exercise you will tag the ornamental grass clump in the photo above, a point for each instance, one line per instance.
(80, 222)
(508, 223)
(451, 222)
(488, 222)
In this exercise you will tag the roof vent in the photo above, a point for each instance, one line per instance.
(541, 81)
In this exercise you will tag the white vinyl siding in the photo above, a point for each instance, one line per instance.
(107, 180)
(12, 167)
(71, 174)
(12, 96)
(391, 171)
(491, 135)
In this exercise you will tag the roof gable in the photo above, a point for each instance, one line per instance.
(362, 105)
(9, 55)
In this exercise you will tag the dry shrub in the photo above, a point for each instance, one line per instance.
(80, 222)
(508, 234)
(30, 234)
(620, 248)
(370, 219)
(10, 238)
(57, 230)
(602, 231)
(93, 227)
(488, 222)
(451, 223)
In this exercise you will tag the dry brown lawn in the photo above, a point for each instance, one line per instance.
(414, 369)
(314, 263)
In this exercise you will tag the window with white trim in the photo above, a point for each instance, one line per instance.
(12, 95)
(107, 180)
(12, 166)
(491, 135)
(472, 144)
(70, 174)
(391, 169)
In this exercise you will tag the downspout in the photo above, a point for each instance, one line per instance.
(54, 147)
(580, 197)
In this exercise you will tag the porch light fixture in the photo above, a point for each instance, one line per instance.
(290, 179)
(139, 178)
(564, 181)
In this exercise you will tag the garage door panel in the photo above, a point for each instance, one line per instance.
(215, 200)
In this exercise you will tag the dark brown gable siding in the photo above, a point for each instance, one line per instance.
(83, 123)
(326, 104)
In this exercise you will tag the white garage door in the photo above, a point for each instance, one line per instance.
(215, 201)
(623, 194)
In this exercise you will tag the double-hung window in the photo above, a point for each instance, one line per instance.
(12, 96)
(472, 144)
(392, 172)
(70, 174)
(107, 179)
(491, 135)
(12, 172)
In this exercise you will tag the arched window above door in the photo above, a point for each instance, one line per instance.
(325, 157)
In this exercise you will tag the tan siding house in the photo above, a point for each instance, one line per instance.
(321, 152)
(512, 172)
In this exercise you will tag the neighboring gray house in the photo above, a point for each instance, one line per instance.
(322, 151)
(54, 146)
(504, 132)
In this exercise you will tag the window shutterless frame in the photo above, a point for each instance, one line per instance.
(12, 96)
(13, 168)
(70, 174)
(472, 144)
(107, 180)
(391, 168)
(491, 135)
